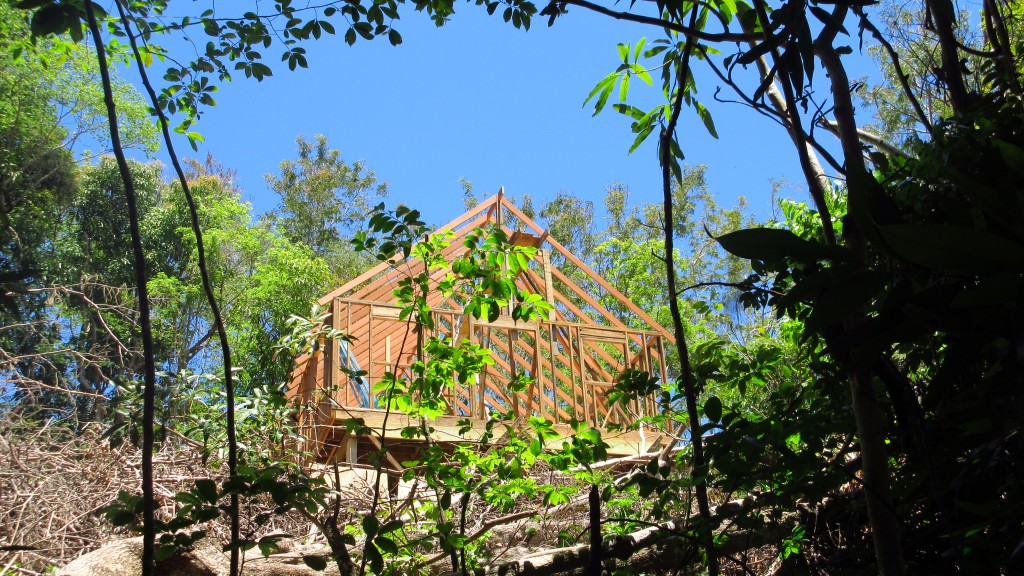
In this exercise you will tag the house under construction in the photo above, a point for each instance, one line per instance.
(573, 357)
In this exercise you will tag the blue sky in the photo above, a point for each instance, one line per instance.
(480, 100)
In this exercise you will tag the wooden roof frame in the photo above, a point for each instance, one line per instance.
(374, 283)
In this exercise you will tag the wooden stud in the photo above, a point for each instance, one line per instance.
(370, 399)
(538, 378)
(554, 374)
(352, 449)
(512, 362)
(549, 285)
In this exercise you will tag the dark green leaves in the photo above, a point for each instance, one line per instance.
(954, 248)
(207, 489)
(370, 526)
(317, 563)
(713, 409)
(58, 17)
(772, 244)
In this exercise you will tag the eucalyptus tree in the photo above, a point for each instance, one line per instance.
(50, 105)
(323, 200)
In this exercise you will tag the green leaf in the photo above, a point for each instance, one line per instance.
(759, 50)
(623, 51)
(713, 409)
(268, 544)
(827, 19)
(318, 563)
(638, 49)
(705, 116)
(370, 526)
(207, 489)
(211, 28)
(642, 73)
(49, 19)
(391, 527)
(771, 244)
(165, 551)
(604, 88)
(120, 517)
(386, 544)
(953, 247)
(375, 559)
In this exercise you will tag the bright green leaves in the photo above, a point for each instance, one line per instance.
(676, 84)
(630, 67)
(492, 264)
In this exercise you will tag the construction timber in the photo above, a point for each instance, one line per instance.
(573, 358)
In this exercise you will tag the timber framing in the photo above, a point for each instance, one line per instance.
(573, 357)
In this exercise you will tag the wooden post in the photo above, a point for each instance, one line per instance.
(625, 348)
(352, 448)
(512, 335)
(337, 382)
(649, 367)
(483, 381)
(370, 400)
(329, 354)
(538, 380)
(549, 285)
(348, 346)
(583, 374)
(572, 372)
(554, 375)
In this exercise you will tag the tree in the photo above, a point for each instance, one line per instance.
(51, 103)
(262, 277)
(323, 200)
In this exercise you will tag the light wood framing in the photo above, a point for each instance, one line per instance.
(572, 358)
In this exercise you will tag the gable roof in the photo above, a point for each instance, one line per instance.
(572, 302)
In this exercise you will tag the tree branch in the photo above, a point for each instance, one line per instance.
(145, 325)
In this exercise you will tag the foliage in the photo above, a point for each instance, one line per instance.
(937, 285)
(323, 199)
